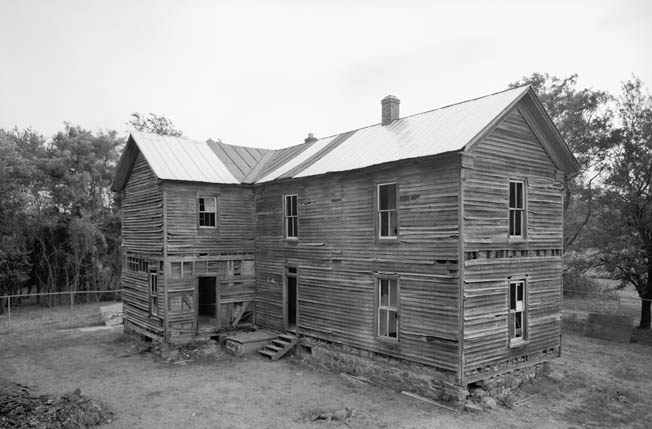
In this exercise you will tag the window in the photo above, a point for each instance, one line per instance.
(387, 211)
(291, 217)
(388, 308)
(153, 293)
(517, 311)
(516, 209)
(207, 212)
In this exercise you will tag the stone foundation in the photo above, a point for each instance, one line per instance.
(386, 371)
(501, 385)
(427, 381)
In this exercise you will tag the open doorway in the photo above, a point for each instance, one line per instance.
(291, 298)
(207, 310)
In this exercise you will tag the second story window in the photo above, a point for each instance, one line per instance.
(291, 217)
(207, 212)
(387, 210)
(516, 209)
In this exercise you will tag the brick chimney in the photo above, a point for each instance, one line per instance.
(310, 139)
(390, 109)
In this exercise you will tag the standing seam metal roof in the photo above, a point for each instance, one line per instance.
(450, 128)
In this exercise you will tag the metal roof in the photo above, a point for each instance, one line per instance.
(451, 128)
(438, 131)
(176, 158)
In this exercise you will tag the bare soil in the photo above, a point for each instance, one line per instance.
(597, 384)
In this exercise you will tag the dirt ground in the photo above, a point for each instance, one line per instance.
(598, 384)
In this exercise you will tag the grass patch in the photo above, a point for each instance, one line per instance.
(610, 407)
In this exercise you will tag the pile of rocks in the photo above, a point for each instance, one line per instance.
(20, 408)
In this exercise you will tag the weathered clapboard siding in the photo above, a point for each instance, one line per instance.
(142, 237)
(235, 222)
(510, 151)
(337, 255)
(142, 212)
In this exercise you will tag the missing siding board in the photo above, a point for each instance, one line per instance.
(509, 253)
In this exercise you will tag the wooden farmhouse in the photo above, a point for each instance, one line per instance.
(433, 239)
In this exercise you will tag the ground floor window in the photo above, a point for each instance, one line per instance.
(388, 299)
(517, 311)
(153, 293)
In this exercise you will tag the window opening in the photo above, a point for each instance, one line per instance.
(388, 308)
(207, 212)
(387, 211)
(153, 293)
(517, 312)
(516, 209)
(291, 217)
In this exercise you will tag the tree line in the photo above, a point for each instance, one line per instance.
(60, 224)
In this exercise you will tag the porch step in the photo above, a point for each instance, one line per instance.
(279, 346)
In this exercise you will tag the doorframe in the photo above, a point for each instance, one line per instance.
(286, 309)
(217, 302)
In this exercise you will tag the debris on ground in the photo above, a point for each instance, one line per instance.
(472, 407)
(20, 408)
(112, 314)
(341, 415)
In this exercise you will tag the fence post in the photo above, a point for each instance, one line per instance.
(72, 299)
(9, 314)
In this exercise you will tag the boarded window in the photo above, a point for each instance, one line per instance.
(517, 311)
(388, 298)
(153, 293)
(291, 217)
(207, 212)
(387, 210)
(516, 209)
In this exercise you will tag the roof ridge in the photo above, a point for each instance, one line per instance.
(427, 111)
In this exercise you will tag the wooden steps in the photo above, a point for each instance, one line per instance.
(279, 346)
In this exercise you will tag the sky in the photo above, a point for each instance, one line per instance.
(267, 73)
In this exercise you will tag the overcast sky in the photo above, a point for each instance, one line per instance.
(267, 73)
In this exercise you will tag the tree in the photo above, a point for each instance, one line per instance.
(17, 177)
(59, 224)
(624, 233)
(153, 123)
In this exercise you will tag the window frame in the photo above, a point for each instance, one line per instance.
(200, 212)
(380, 212)
(521, 211)
(153, 292)
(288, 217)
(514, 310)
(380, 308)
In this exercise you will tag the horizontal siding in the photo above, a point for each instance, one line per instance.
(511, 151)
(142, 212)
(337, 255)
(235, 221)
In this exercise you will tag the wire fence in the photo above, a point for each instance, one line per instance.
(71, 309)
(59, 310)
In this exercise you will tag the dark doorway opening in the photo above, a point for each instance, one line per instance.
(291, 305)
(206, 303)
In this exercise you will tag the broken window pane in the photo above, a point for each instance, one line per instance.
(382, 323)
(384, 292)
